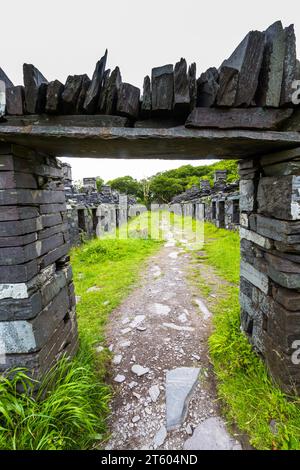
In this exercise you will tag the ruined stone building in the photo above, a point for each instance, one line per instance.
(218, 204)
(246, 109)
(92, 213)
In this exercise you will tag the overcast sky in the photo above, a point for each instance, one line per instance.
(63, 37)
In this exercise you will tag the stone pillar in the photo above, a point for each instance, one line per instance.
(270, 262)
(205, 185)
(37, 301)
(89, 184)
(220, 177)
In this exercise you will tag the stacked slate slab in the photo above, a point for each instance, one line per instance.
(89, 209)
(37, 302)
(253, 89)
(270, 264)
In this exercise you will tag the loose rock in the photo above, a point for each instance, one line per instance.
(139, 370)
(120, 378)
(154, 392)
(211, 434)
(160, 437)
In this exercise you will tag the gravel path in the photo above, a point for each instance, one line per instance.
(162, 325)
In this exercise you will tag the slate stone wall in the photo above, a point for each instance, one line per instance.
(223, 210)
(218, 204)
(270, 262)
(37, 301)
(253, 88)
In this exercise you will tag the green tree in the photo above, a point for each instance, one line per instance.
(127, 185)
(165, 185)
(146, 199)
(163, 189)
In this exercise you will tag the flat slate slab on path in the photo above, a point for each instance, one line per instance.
(211, 434)
(180, 383)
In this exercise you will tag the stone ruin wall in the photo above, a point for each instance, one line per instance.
(270, 262)
(37, 300)
(253, 89)
(218, 205)
(91, 213)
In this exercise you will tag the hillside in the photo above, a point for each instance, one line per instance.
(163, 186)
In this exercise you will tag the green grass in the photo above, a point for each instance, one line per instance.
(71, 406)
(250, 398)
(113, 266)
(67, 412)
(222, 249)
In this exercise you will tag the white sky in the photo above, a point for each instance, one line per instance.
(63, 37)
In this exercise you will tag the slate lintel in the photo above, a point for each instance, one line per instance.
(124, 142)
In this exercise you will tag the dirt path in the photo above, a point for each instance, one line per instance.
(161, 326)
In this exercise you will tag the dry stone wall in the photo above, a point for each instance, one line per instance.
(219, 204)
(37, 301)
(91, 213)
(270, 262)
(255, 88)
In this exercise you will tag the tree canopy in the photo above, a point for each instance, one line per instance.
(165, 185)
(127, 185)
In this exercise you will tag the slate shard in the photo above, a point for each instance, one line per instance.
(227, 86)
(103, 92)
(207, 88)
(181, 88)
(93, 93)
(71, 93)
(162, 89)
(192, 85)
(239, 74)
(128, 101)
(289, 66)
(111, 96)
(35, 89)
(271, 74)
(86, 82)
(4, 78)
(54, 97)
(15, 100)
(146, 101)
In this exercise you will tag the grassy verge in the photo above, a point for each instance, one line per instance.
(111, 267)
(250, 398)
(70, 409)
(67, 412)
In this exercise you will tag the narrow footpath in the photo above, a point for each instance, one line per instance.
(164, 393)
